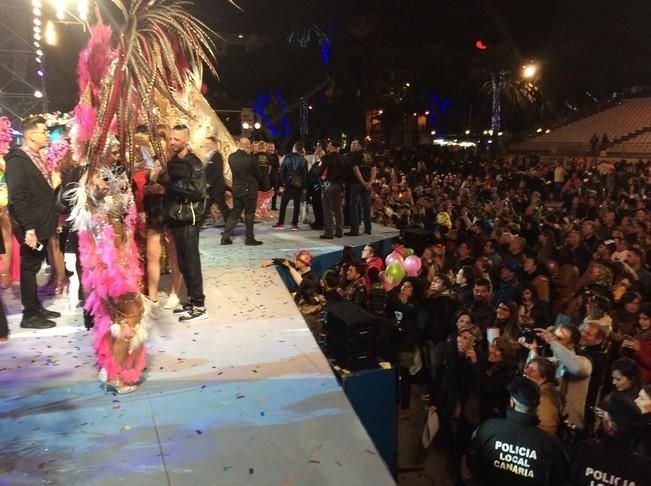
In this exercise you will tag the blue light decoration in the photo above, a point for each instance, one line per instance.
(325, 52)
(438, 105)
(264, 103)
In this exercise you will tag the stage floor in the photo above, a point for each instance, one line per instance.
(245, 397)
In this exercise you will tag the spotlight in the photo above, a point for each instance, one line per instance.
(539, 130)
(37, 12)
(407, 85)
(309, 107)
(38, 60)
(245, 125)
(37, 29)
(37, 21)
(257, 125)
(37, 36)
(38, 94)
(433, 132)
(427, 113)
(51, 38)
(240, 36)
(381, 111)
(39, 53)
(40, 73)
(548, 131)
(36, 44)
(467, 132)
(499, 134)
(415, 114)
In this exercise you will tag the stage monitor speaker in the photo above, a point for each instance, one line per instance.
(351, 335)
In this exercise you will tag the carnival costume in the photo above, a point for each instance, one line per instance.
(149, 76)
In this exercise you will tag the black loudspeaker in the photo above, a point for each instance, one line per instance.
(418, 239)
(351, 335)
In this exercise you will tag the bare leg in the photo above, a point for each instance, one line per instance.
(5, 227)
(57, 262)
(174, 263)
(154, 250)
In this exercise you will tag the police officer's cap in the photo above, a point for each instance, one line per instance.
(525, 391)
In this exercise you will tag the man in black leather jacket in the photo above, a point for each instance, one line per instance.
(245, 192)
(185, 200)
(293, 174)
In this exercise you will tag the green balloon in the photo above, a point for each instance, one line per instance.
(409, 252)
(395, 272)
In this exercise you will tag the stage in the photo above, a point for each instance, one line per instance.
(245, 397)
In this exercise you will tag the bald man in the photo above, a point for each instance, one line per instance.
(245, 192)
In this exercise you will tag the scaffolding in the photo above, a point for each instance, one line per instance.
(20, 82)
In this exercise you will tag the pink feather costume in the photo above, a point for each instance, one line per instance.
(111, 273)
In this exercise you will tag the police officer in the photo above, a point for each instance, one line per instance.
(612, 460)
(513, 451)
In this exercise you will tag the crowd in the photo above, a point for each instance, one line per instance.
(524, 267)
(528, 268)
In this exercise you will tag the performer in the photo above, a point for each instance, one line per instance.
(141, 79)
(105, 217)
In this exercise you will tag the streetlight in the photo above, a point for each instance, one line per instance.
(529, 71)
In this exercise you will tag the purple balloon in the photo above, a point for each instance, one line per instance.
(412, 265)
(393, 257)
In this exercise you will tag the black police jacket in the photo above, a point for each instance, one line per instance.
(609, 463)
(513, 452)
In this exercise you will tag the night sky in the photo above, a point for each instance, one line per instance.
(595, 47)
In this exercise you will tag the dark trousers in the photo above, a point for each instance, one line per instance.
(347, 204)
(219, 199)
(333, 210)
(275, 184)
(4, 327)
(317, 207)
(294, 194)
(359, 196)
(246, 204)
(186, 238)
(30, 263)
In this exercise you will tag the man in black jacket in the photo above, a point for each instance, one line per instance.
(245, 192)
(513, 450)
(333, 189)
(215, 177)
(293, 174)
(31, 205)
(185, 198)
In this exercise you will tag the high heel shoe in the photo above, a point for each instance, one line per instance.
(62, 287)
(114, 385)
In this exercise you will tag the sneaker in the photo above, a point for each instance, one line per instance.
(294, 227)
(183, 309)
(172, 302)
(253, 243)
(195, 314)
(278, 226)
(37, 322)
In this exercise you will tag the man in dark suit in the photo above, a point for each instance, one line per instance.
(31, 206)
(215, 177)
(245, 192)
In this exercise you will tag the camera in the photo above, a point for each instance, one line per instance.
(529, 334)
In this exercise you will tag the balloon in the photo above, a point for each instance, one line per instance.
(409, 252)
(412, 265)
(394, 272)
(393, 257)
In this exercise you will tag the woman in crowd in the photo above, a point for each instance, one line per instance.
(638, 346)
(506, 320)
(493, 376)
(543, 372)
(465, 280)
(532, 312)
(626, 379)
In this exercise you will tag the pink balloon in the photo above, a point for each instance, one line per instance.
(412, 265)
(393, 257)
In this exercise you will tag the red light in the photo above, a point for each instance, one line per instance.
(480, 45)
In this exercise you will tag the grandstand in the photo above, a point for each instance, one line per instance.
(627, 125)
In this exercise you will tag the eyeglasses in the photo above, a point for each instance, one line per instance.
(499, 307)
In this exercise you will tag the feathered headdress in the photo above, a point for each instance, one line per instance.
(5, 135)
(160, 46)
